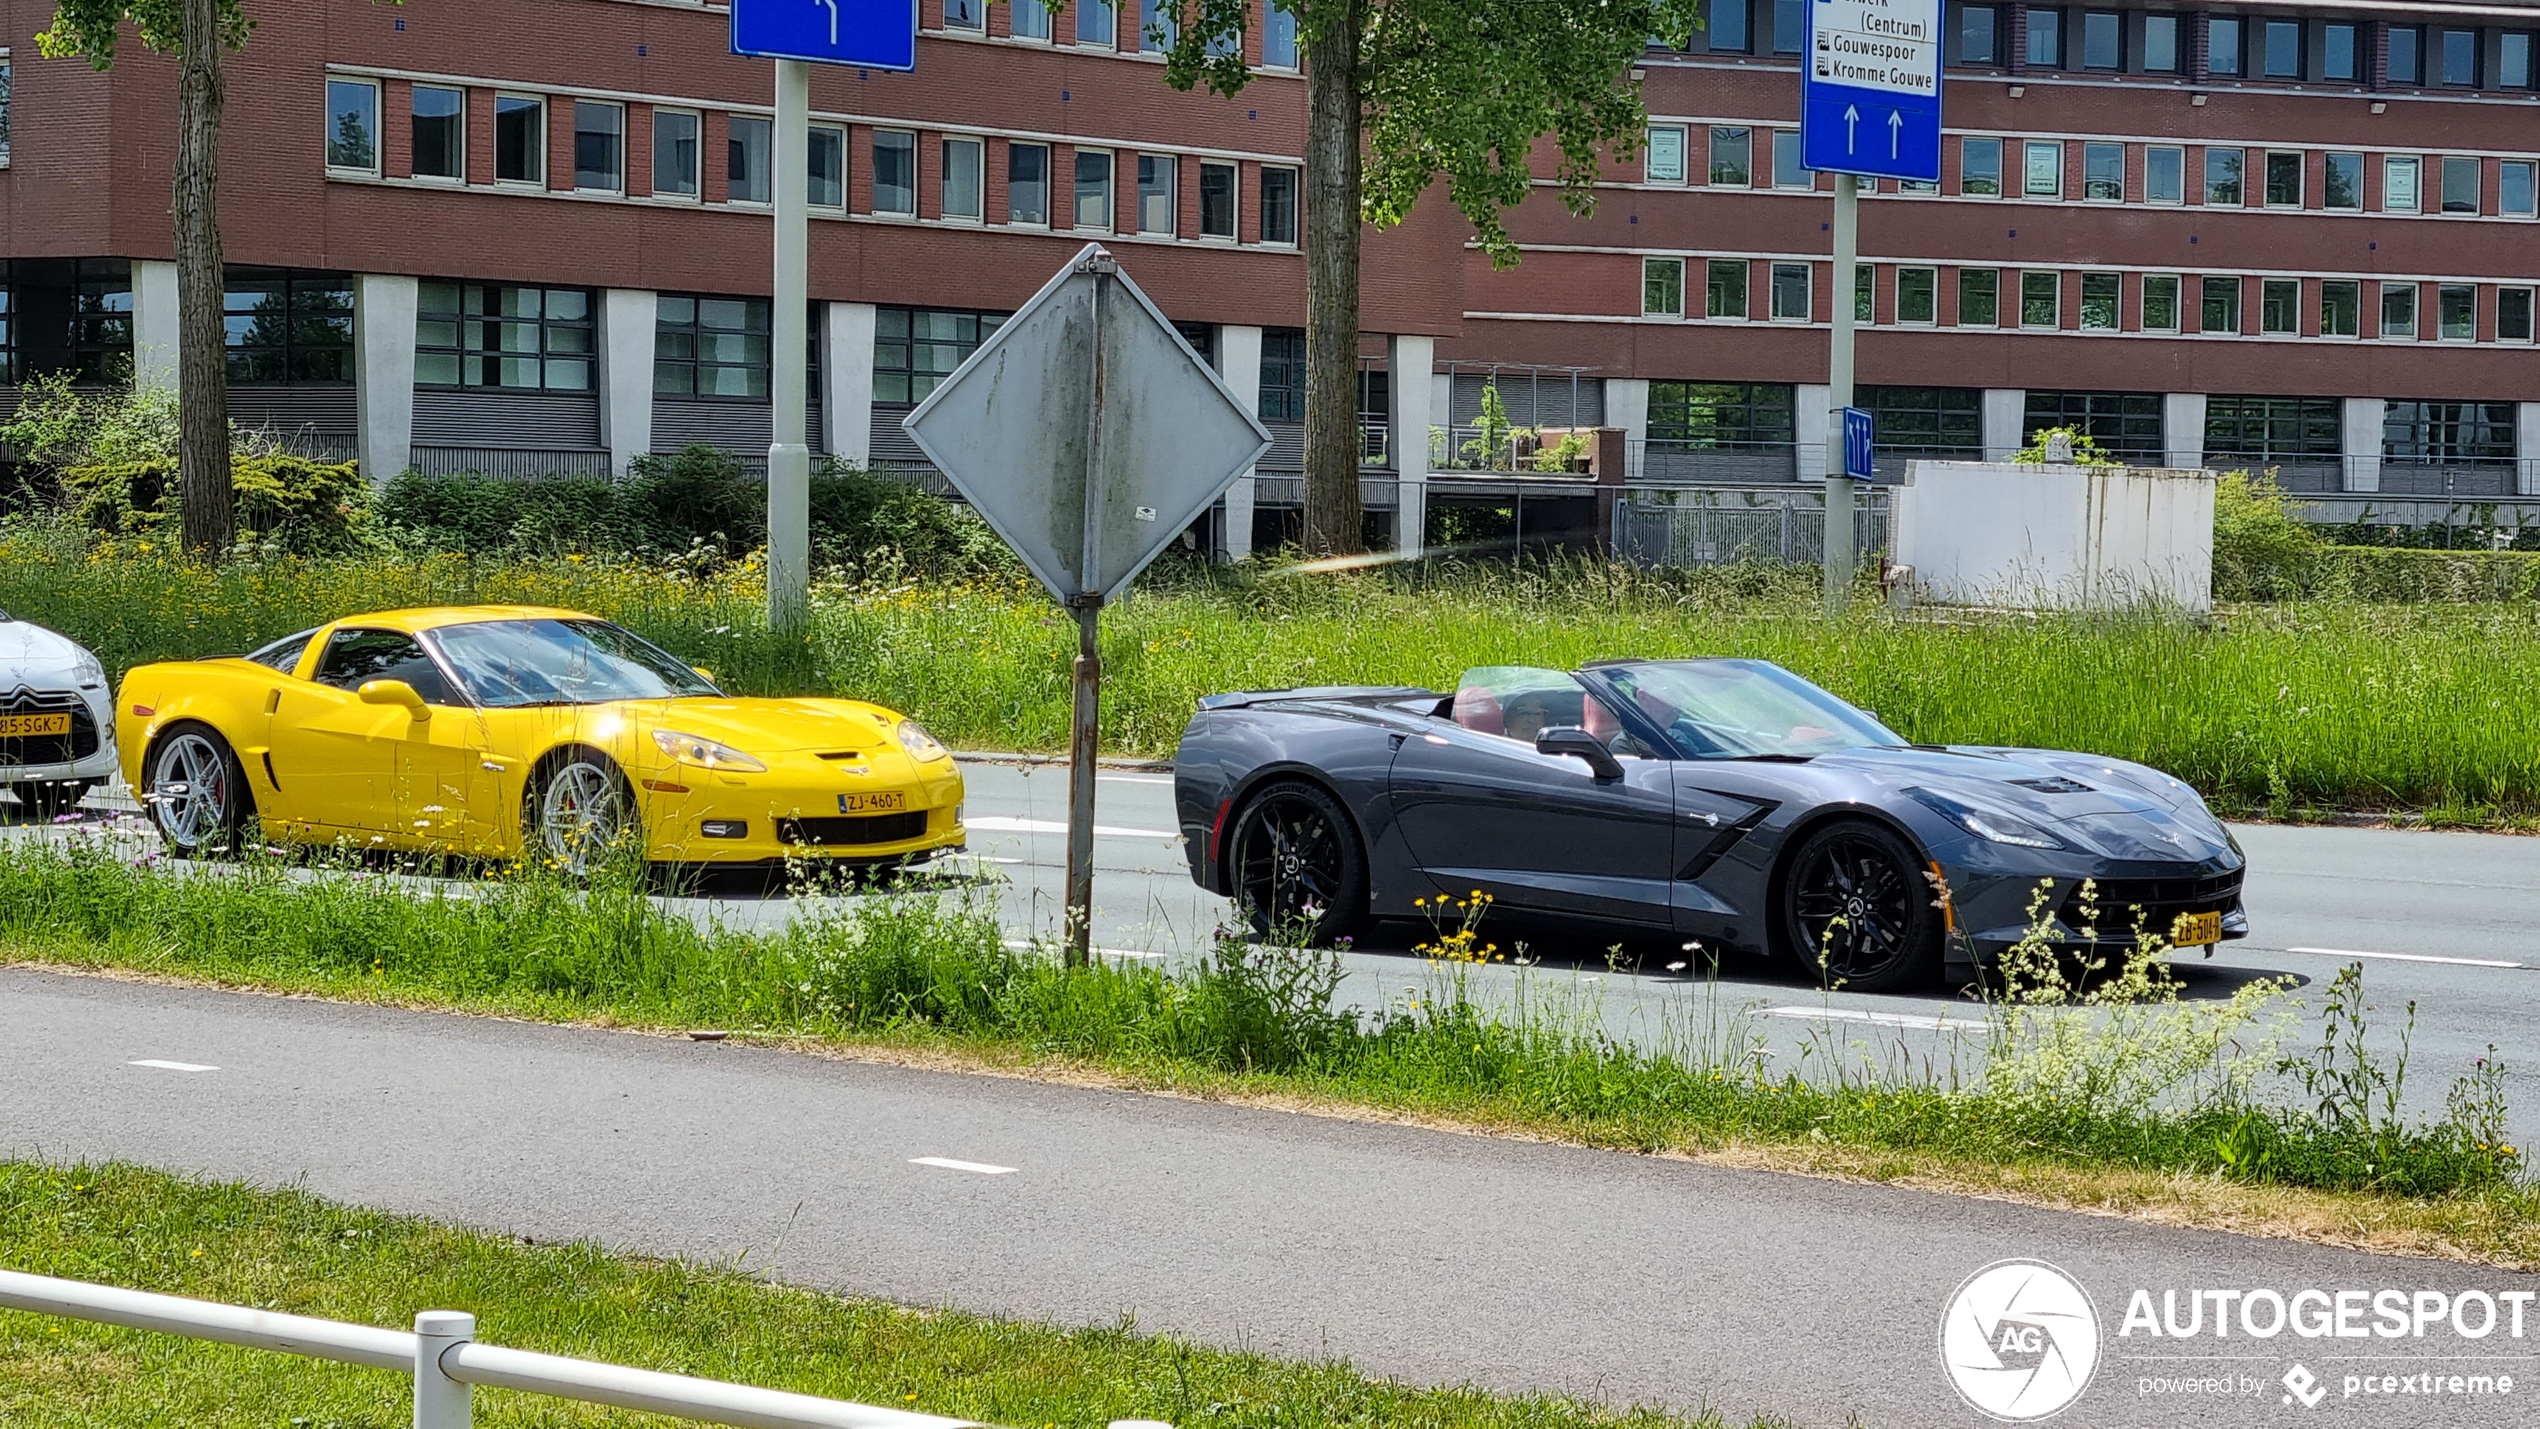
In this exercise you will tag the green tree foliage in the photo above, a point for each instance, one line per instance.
(90, 29)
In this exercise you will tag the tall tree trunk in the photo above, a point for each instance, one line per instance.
(1332, 442)
(202, 375)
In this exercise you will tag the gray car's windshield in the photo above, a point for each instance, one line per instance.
(509, 663)
(1744, 709)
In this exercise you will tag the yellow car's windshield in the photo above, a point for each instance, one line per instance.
(509, 663)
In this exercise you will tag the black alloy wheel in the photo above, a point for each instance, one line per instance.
(1296, 864)
(1859, 911)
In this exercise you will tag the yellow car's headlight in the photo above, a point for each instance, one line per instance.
(920, 745)
(706, 753)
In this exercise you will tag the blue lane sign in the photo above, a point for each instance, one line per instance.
(1856, 444)
(876, 34)
(1869, 98)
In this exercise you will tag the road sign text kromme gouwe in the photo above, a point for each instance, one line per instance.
(1870, 95)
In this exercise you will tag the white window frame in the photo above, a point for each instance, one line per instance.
(378, 155)
(1172, 196)
(914, 172)
(1049, 186)
(2081, 309)
(1237, 198)
(2443, 181)
(2360, 170)
(1929, 272)
(2265, 283)
(1076, 156)
(1296, 202)
(457, 180)
(1649, 264)
(622, 130)
(2358, 334)
(1773, 290)
(7, 77)
(2301, 180)
(1051, 38)
(2029, 150)
(546, 118)
(2180, 150)
(978, 178)
(846, 169)
(2000, 162)
(2413, 166)
(2439, 290)
(2020, 313)
(2534, 169)
(2120, 147)
(2380, 311)
(1296, 45)
(2531, 312)
(1649, 155)
(1807, 177)
(979, 29)
(731, 122)
(2142, 301)
(1073, 16)
(696, 171)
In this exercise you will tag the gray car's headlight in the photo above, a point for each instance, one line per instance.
(1989, 824)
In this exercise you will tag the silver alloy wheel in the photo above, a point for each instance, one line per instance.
(581, 815)
(189, 791)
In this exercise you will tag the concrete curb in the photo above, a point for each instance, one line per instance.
(986, 756)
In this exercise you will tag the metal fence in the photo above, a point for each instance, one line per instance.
(1722, 525)
(509, 461)
(447, 1361)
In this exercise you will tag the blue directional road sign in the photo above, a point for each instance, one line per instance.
(875, 34)
(1869, 99)
(1856, 444)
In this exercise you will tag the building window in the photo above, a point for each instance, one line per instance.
(1978, 28)
(1278, 205)
(2447, 431)
(1728, 27)
(1030, 20)
(2460, 184)
(916, 348)
(2398, 310)
(2099, 297)
(963, 184)
(2103, 172)
(1790, 26)
(2341, 307)
(1666, 160)
(100, 328)
(2280, 306)
(286, 327)
(1662, 287)
(352, 125)
(2343, 182)
(2223, 185)
(2042, 168)
(2281, 53)
(1865, 301)
(2126, 424)
(2460, 58)
(710, 347)
(2041, 299)
(1095, 24)
(895, 172)
(1790, 292)
(1156, 211)
(1925, 421)
(486, 335)
(1216, 200)
(599, 146)
(1730, 147)
(2456, 312)
(1980, 167)
(1724, 288)
(1027, 183)
(2222, 44)
(2046, 39)
(6, 368)
(2284, 180)
(2219, 305)
(2274, 429)
(2514, 188)
(1918, 295)
(1157, 28)
(2160, 44)
(2513, 59)
(2513, 315)
(2338, 52)
(2165, 174)
(1717, 415)
(2160, 302)
(749, 159)
(675, 153)
(1278, 37)
(1788, 170)
(1979, 297)
(971, 15)
(2399, 183)
(520, 139)
(2102, 40)
(1283, 374)
(826, 154)
(2407, 55)
(440, 132)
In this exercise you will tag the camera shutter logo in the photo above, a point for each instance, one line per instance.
(2020, 1340)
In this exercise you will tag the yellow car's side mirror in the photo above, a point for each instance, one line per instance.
(394, 692)
(703, 673)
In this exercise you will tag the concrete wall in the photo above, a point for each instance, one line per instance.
(1991, 533)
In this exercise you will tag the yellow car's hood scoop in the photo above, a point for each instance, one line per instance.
(766, 726)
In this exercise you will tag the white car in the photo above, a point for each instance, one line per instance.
(57, 720)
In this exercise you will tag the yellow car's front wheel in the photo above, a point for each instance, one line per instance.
(582, 812)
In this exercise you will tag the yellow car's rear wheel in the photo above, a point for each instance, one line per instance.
(582, 812)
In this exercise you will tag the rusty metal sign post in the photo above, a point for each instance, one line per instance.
(1089, 435)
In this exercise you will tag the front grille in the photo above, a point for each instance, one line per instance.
(2161, 899)
(36, 749)
(853, 830)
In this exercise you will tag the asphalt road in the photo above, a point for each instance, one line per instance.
(1418, 1254)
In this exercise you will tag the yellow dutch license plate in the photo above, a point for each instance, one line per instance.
(17, 726)
(871, 803)
(2196, 930)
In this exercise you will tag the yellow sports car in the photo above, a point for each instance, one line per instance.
(507, 730)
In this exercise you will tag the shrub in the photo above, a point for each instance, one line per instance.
(2262, 551)
(289, 504)
(699, 493)
(868, 523)
(484, 514)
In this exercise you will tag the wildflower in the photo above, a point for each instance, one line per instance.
(1677, 967)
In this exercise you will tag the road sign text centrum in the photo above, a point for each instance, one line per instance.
(1870, 94)
(875, 34)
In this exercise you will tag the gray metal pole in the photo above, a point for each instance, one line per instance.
(440, 1401)
(1838, 537)
(1081, 747)
(789, 455)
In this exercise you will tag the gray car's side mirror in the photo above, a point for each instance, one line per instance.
(1572, 740)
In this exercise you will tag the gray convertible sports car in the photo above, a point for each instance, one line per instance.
(1725, 800)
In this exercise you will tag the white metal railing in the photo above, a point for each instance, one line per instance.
(446, 1361)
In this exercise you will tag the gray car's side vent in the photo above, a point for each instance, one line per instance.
(2052, 786)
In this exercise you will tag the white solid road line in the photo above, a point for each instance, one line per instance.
(1137, 778)
(949, 1164)
(173, 1066)
(1018, 944)
(1005, 824)
(1880, 1019)
(2410, 958)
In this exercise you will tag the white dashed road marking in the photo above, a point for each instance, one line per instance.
(173, 1066)
(2410, 958)
(1879, 1019)
(951, 1165)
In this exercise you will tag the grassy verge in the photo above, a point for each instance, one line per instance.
(2330, 704)
(2074, 1088)
(292, 1252)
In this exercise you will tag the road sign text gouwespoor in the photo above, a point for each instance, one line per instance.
(1870, 94)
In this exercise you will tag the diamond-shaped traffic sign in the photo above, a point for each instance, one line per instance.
(1086, 431)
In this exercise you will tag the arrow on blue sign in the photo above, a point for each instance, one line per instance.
(872, 34)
